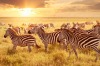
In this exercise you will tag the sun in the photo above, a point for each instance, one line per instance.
(26, 12)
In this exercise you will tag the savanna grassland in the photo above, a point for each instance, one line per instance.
(56, 55)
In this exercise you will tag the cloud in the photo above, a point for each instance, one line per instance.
(95, 7)
(86, 2)
(83, 5)
(91, 4)
(74, 9)
(24, 3)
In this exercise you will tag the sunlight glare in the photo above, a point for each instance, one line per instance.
(26, 12)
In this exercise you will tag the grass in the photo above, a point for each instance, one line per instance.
(56, 56)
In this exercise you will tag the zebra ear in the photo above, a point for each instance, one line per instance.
(9, 28)
(38, 27)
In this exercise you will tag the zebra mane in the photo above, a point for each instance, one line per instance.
(12, 30)
(41, 32)
(40, 28)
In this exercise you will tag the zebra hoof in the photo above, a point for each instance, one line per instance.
(30, 50)
(95, 60)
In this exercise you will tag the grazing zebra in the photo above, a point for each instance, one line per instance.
(2, 24)
(47, 38)
(88, 23)
(10, 25)
(77, 29)
(83, 41)
(79, 25)
(66, 26)
(97, 29)
(90, 31)
(51, 25)
(20, 40)
(45, 26)
(98, 22)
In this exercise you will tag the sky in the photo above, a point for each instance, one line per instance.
(49, 8)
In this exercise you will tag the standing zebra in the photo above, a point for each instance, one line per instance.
(77, 29)
(47, 38)
(66, 26)
(83, 41)
(20, 40)
(97, 29)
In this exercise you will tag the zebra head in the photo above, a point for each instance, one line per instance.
(36, 30)
(32, 31)
(7, 32)
(10, 32)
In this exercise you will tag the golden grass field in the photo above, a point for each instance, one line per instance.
(56, 56)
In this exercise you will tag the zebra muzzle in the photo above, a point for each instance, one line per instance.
(5, 36)
(29, 32)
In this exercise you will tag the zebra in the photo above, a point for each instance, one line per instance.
(47, 38)
(77, 29)
(79, 25)
(66, 26)
(2, 24)
(89, 23)
(20, 40)
(84, 41)
(10, 25)
(51, 25)
(97, 29)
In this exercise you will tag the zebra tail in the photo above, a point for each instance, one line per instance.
(38, 46)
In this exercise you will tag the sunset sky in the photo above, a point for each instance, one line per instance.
(49, 8)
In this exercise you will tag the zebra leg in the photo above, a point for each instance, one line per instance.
(14, 47)
(69, 53)
(65, 44)
(97, 53)
(29, 48)
(46, 45)
(37, 45)
(74, 49)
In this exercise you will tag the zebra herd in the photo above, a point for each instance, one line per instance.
(76, 37)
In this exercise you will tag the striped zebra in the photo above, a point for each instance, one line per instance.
(66, 26)
(20, 40)
(97, 29)
(93, 32)
(78, 31)
(47, 38)
(83, 41)
(51, 25)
